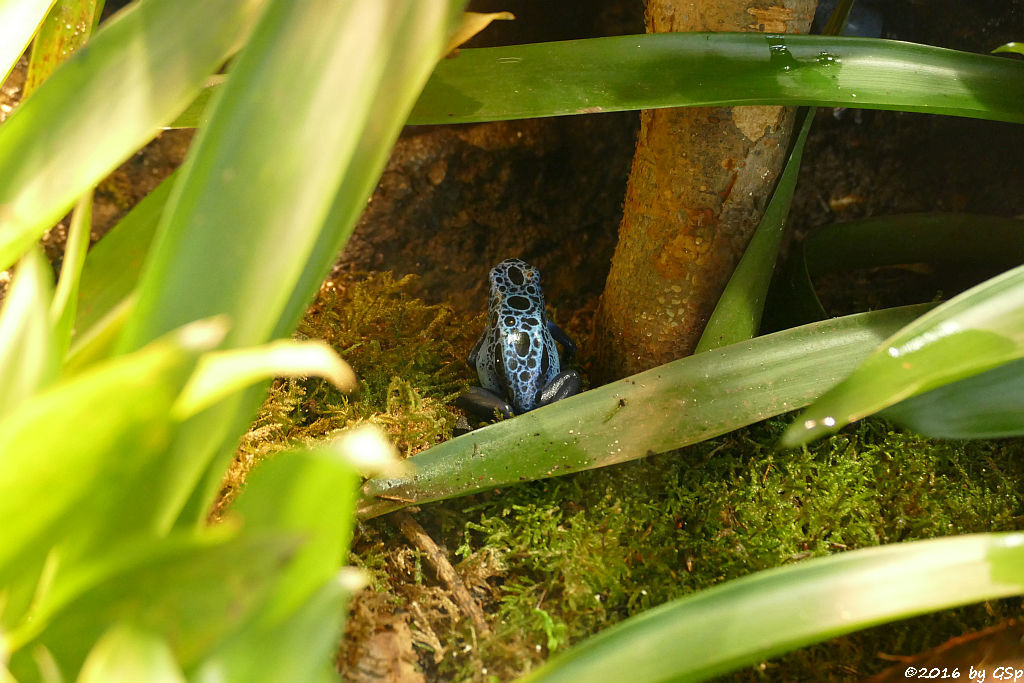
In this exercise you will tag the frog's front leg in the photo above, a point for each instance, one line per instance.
(568, 345)
(475, 353)
(483, 402)
(563, 385)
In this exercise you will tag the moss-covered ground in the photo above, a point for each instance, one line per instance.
(554, 561)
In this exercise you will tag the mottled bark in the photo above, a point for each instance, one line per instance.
(700, 180)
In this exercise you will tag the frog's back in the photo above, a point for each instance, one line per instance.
(520, 352)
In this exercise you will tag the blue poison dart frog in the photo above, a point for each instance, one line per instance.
(516, 357)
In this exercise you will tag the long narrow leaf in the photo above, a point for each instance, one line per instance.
(737, 315)
(58, 432)
(18, 21)
(979, 330)
(223, 373)
(292, 186)
(986, 406)
(66, 28)
(113, 266)
(954, 240)
(947, 239)
(702, 69)
(757, 617)
(671, 406)
(28, 352)
(128, 653)
(65, 299)
(68, 135)
(197, 595)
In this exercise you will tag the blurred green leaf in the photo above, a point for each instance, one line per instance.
(671, 406)
(223, 373)
(296, 650)
(837, 20)
(28, 353)
(151, 60)
(748, 620)
(312, 495)
(67, 26)
(194, 595)
(256, 168)
(295, 186)
(989, 405)
(128, 653)
(1017, 48)
(19, 20)
(65, 299)
(107, 426)
(112, 269)
(713, 69)
(737, 315)
(973, 332)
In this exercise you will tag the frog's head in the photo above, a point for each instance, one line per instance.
(515, 277)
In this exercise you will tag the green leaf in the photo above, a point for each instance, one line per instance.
(950, 240)
(110, 275)
(18, 22)
(194, 595)
(945, 239)
(28, 354)
(200, 267)
(65, 299)
(748, 620)
(67, 26)
(701, 69)
(310, 494)
(223, 373)
(293, 651)
(973, 332)
(108, 426)
(671, 406)
(737, 315)
(294, 173)
(151, 59)
(128, 653)
(1013, 47)
(989, 405)
(713, 69)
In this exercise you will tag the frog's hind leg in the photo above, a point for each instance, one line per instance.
(565, 384)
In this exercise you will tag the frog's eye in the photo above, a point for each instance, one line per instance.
(515, 275)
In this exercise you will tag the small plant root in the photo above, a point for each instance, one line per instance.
(418, 536)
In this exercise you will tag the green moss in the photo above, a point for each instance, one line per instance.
(409, 358)
(586, 551)
(555, 561)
